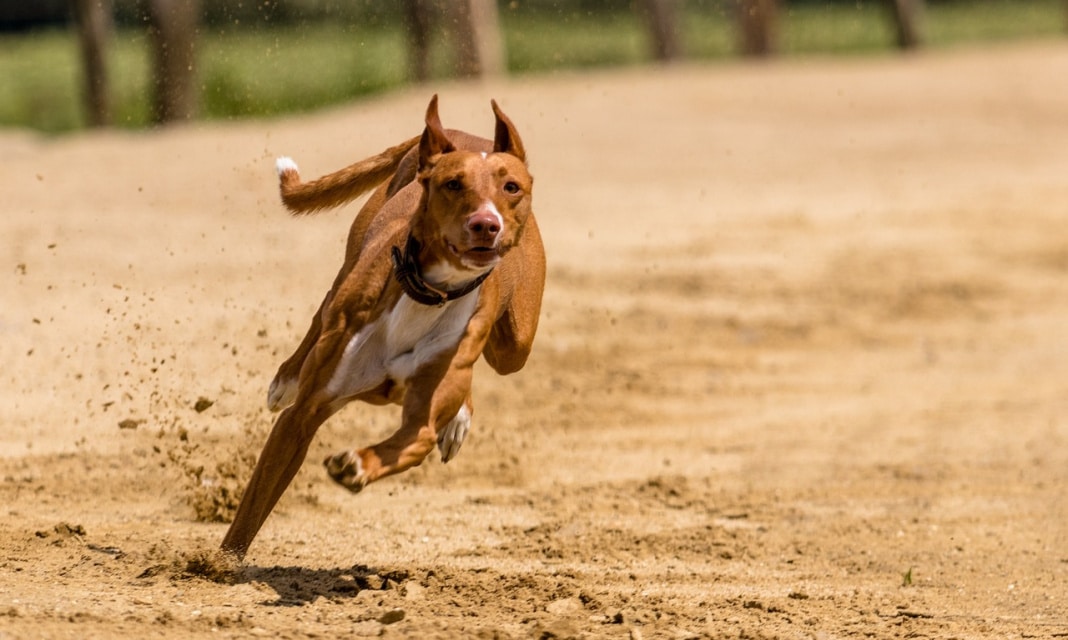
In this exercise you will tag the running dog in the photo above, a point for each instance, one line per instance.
(444, 264)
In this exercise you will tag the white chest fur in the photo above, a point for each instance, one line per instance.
(395, 345)
(417, 333)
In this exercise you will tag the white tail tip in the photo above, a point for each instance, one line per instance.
(285, 164)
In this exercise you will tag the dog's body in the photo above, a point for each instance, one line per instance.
(444, 264)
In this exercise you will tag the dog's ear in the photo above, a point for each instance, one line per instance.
(506, 138)
(434, 140)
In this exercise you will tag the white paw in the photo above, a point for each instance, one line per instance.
(284, 164)
(452, 435)
(281, 393)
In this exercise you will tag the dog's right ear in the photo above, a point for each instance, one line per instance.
(434, 140)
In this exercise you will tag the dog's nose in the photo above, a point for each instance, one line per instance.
(484, 224)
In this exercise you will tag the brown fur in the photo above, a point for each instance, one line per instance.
(442, 185)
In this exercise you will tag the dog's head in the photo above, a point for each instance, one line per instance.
(474, 204)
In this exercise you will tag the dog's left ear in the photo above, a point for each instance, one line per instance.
(506, 138)
(434, 140)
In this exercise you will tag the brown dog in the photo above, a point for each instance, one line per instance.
(444, 264)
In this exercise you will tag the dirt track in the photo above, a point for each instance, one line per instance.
(802, 370)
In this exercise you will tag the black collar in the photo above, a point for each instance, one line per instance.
(406, 271)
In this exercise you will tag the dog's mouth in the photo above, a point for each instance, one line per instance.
(478, 256)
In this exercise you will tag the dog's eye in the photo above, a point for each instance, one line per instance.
(454, 185)
(511, 187)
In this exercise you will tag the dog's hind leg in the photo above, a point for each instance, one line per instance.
(287, 445)
(281, 458)
(283, 389)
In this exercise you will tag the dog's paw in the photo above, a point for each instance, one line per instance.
(346, 469)
(452, 435)
(281, 393)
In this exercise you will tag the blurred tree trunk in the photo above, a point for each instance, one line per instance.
(908, 15)
(758, 27)
(417, 21)
(476, 29)
(661, 18)
(472, 27)
(172, 34)
(94, 21)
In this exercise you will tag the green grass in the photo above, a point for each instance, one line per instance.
(39, 79)
(865, 27)
(955, 23)
(271, 71)
(540, 43)
(242, 74)
(837, 29)
(275, 70)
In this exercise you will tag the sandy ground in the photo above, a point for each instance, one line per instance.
(802, 370)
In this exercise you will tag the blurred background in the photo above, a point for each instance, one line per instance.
(70, 64)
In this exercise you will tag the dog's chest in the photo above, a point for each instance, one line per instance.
(416, 332)
(396, 344)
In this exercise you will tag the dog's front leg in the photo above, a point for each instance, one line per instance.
(436, 397)
(438, 393)
(451, 437)
(512, 338)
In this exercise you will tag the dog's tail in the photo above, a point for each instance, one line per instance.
(337, 188)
